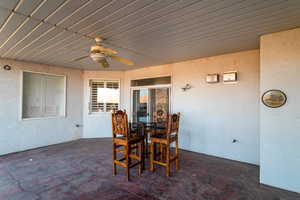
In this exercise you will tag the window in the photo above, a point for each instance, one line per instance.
(151, 81)
(105, 96)
(44, 95)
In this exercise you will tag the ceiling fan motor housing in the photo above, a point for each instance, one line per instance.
(96, 49)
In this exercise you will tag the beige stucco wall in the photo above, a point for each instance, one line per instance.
(213, 114)
(280, 127)
(18, 135)
(99, 125)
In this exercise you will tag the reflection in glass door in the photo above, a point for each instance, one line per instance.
(140, 105)
(148, 102)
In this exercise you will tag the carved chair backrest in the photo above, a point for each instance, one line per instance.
(173, 124)
(119, 123)
(160, 116)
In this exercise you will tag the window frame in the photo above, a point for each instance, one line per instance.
(90, 94)
(22, 93)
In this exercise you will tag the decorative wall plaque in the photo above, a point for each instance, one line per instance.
(7, 67)
(274, 98)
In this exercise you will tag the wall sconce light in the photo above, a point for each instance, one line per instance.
(212, 78)
(230, 77)
(7, 67)
(186, 87)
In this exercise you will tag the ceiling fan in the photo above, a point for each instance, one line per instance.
(101, 54)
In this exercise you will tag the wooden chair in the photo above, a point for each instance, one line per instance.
(129, 145)
(160, 118)
(165, 140)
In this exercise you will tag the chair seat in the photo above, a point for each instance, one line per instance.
(124, 140)
(162, 138)
(161, 126)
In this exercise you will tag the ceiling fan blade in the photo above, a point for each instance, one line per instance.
(77, 59)
(122, 60)
(110, 51)
(104, 63)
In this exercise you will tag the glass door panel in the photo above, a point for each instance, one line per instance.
(159, 103)
(149, 103)
(140, 111)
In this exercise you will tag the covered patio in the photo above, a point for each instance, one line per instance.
(82, 170)
(203, 94)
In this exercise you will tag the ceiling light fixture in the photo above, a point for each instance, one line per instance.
(97, 57)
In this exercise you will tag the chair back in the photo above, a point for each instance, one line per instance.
(173, 124)
(160, 116)
(119, 123)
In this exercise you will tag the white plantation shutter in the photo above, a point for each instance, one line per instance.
(43, 95)
(96, 106)
(54, 96)
(104, 96)
(32, 96)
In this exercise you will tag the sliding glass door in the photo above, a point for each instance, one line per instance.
(148, 102)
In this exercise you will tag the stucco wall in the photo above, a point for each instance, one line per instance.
(213, 114)
(18, 135)
(280, 127)
(99, 125)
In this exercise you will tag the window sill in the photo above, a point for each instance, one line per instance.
(99, 113)
(42, 118)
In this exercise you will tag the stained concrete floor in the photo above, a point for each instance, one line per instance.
(82, 170)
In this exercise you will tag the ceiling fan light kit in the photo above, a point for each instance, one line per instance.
(97, 57)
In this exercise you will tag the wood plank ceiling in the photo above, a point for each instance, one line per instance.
(149, 32)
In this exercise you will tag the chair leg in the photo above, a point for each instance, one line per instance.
(161, 152)
(127, 160)
(177, 155)
(154, 151)
(146, 145)
(114, 158)
(143, 154)
(140, 157)
(168, 160)
(151, 156)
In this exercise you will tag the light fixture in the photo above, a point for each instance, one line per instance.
(230, 77)
(97, 57)
(7, 67)
(186, 87)
(212, 78)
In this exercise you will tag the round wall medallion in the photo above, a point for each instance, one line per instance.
(274, 98)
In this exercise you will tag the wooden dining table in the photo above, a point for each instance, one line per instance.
(146, 129)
